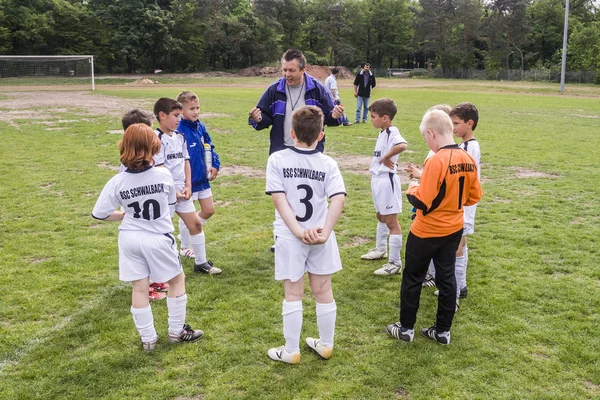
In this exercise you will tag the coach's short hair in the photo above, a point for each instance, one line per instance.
(307, 122)
(136, 116)
(166, 105)
(138, 147)
(438, 122)
(444, 107)
(295, 54)
(335, 70)
(466, 111)
(186, 97)
(383, 107)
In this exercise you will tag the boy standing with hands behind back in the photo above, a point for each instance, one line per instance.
(385, 186)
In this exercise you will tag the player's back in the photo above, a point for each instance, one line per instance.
(308, 178)
(448, 183)
(144, 196)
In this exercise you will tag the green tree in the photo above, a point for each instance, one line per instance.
(583, 52)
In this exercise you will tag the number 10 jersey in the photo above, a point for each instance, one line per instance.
(146, 197)
(308, 178)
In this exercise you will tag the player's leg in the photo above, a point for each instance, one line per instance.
(207, 209)
(460, 267)
(388, 202)
(326, 311)
(444, 260)
(134, 268)
(381, 239)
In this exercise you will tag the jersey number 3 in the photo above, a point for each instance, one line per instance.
(146, 211)
(306, 202)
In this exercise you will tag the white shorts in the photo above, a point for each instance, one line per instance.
(185, 206)
(293, 258)
(202, 194)
(145, 254)
(387, 193)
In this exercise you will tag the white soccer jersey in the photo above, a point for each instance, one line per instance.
(172, 155)
(331, 83)
(471, 147)
(145, 196)
(386, 140)
(308, 178)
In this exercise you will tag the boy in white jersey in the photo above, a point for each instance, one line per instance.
(300, 179)
(174, 156)
(147, 249)
(385, 186)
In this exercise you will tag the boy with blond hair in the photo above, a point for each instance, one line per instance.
(385, 186)
(449, 181)
(147, 248)
(300, 179)
(197, 138)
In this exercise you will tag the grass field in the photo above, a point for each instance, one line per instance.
(528, 330)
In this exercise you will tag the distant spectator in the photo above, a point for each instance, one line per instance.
(363, 83)
(331, 84)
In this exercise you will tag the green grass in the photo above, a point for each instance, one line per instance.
(529, 328)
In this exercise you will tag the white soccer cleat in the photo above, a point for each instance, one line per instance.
(279, 354)
(389, 269)
(374, 254)
(150, 346)
(189, 253)
(323, 351)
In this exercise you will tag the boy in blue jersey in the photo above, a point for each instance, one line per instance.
(196, 138)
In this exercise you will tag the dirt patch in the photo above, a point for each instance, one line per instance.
(107, 165)
(213, 115)
(524, 173)
(250, 172)
(143, 81)
(356, 241)
(115, 131)
(316, 71)
(359, 165)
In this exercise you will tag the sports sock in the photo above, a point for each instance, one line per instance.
(199, 245)
(292, 324)
(184, 235)
(459, 272)
(202, 221)
(176, 307)
(463, 283)
(144, 322)
(382, 236)
(326, 314)
(431, 270)
(395, 246)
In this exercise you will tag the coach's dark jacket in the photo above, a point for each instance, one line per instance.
(272, 107)
(364, 91)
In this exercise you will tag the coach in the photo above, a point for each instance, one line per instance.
(294, 90)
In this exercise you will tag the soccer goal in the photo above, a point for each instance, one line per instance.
(46, 70)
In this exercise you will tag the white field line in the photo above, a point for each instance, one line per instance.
(45, 334)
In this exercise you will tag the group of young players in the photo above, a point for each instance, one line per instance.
(167, 169)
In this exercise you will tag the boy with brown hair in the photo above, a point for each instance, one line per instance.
(205, 164)
(449, 181)
(300, 179)
(385, 186)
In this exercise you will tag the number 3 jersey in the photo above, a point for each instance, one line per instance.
(308, 178)
(449, 181)
(146, 197)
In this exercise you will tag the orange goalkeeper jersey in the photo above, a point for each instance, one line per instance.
(449, 181)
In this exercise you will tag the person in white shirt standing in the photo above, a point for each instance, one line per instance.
(331, 84)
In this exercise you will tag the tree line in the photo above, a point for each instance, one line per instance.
(200, 35)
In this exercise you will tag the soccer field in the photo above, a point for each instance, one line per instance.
(528, 330)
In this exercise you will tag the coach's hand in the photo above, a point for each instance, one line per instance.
(255, 115)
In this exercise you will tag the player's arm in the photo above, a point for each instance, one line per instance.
(475, 193)
(216, 160)
(187, 190)
(287, 215)
(422, 196)
(115, 216)
(387, 158)
(105, 208)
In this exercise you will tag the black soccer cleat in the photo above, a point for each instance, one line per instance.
(431, 333)
(207, 268)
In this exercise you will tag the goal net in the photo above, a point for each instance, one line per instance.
(47, 70)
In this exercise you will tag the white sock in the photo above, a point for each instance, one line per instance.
(431, 268)
(199, 245)
(184, 233)
(381, 237)
(459, 272)
(176, 307)
(463, 283)
(144, 322)
(395, 246)
(326, 314)
(202, 220)
(292, 324)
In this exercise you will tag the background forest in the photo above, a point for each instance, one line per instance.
(202, 35)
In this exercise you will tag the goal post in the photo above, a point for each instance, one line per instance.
(47, 70)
